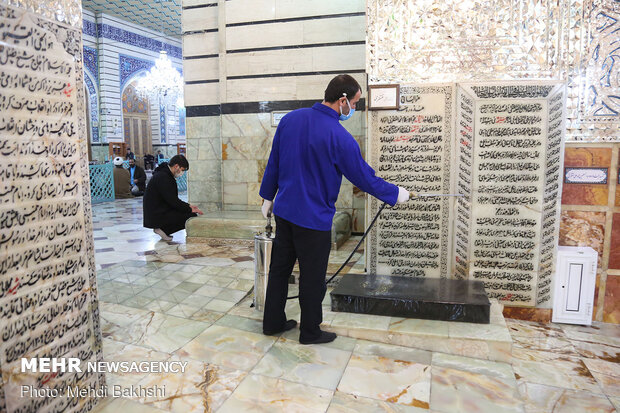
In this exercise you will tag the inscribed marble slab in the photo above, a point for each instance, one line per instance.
(411, 147)
(48, 289)
(517, 159)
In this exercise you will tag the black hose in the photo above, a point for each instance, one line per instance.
(354, 249)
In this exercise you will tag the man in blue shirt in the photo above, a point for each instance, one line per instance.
(311, 151)
(137, 179)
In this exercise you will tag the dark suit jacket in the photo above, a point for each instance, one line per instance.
(161, 201)
(140, 175)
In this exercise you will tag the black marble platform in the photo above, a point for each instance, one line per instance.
(427, 298)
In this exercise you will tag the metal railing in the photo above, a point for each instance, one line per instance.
(101, 182)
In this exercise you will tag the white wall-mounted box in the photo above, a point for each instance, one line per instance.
(575, 281)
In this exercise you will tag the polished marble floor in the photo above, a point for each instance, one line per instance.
(171, 301)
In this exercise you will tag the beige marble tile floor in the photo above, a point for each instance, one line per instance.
(178, 302)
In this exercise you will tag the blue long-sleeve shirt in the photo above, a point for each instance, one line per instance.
(311, 151)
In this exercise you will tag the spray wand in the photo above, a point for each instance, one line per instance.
(411, 195)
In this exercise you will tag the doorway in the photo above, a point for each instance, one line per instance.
(136, 123)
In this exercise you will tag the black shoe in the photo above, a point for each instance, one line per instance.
(325, 337)
(289, 325)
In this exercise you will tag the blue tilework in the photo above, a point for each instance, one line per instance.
(129, 66)
(89, 28)
(94, 107)
(162, 123)
(134, 39)
(182, 121)
(91, 62)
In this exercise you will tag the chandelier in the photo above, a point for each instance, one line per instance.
(162, 83)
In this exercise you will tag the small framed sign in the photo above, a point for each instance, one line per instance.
(381, 97)
(276, 116)
(584, 175)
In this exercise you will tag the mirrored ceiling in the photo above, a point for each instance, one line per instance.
(160, 15)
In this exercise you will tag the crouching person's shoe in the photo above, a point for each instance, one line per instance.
(162, 234)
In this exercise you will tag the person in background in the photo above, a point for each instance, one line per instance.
(311, 151)
(122, 189)
(149, 160)
(129, 154)
(137, 178)
(163, 210)
(160, 157)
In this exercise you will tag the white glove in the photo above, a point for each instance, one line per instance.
(403, 195)
(267, 207)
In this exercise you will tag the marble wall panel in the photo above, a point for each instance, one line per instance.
(279, 88)
(191, 152)
(345, 197)
(201, 69)
(611, 309)
(583, 229)
(359, 198)
(261, 165)
(264, 35)
(345, 29)
(210, 149)
(356, 126)
(200, 44)
(338, 58)
(203, 127)
(270, 61)
(201, 94)
(236, 193)
(236, 171)
(359, 220)
(614, 248)
(586, 194)
(240, 11)
(250, 124)
(203, 150)
(246, 147)
(188, 3)
(198, 19)
(290, 8)
(342, 58)
(257, 10)
(249, 90)
(206, 171)
(204, 192)
(307, 32)
(253, 194)
(314, 87)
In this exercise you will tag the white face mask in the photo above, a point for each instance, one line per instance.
(178, 172)
(348, 115)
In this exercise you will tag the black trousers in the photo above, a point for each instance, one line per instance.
(175, 221)
(311, 248)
